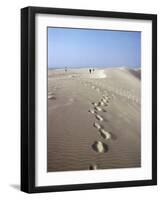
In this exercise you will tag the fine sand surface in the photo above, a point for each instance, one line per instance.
(94, 120)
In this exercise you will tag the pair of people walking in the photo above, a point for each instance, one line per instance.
(90, 70)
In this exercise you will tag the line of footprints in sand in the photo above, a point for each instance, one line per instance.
(99, 146)
(99, 107)
(116, 91)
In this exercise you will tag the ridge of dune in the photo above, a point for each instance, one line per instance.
(135, 72)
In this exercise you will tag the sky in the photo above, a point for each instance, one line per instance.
(71, 47)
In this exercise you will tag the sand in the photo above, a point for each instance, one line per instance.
(94, 120)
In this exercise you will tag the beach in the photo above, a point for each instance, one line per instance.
(94, 119)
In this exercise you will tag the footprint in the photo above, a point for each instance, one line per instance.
(92, 111)
(100, 147)
(104, 96)
(51, 97)
(101, 103)
(105, 100)
(105, 134)
(93, 167)
(96, 125)
(95, 104)
(98, 108)
(100, 118)
(105, 104)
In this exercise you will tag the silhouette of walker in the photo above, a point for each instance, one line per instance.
(90, 71)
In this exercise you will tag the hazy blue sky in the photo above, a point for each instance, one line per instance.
(69, 47)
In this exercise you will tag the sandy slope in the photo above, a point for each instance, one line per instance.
(93, 119)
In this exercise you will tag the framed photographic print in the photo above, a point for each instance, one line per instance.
(88, 99)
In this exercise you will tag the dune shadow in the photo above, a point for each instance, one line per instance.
(137, 73)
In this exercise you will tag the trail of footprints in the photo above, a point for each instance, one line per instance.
(116, 91)
(51, 93)
(98, 108)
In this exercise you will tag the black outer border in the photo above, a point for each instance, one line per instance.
(28, 98)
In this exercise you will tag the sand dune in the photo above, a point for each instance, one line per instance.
(93, 119)
(136, 73)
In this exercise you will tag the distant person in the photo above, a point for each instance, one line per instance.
(90, 71)
(65, 69)
(93, 69)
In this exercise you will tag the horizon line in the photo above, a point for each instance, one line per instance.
(93, 67)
